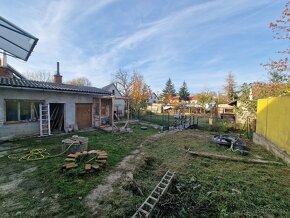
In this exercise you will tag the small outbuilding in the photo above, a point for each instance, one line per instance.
(32, 107)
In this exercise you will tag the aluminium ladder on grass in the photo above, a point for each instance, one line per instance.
(44, 119)
(148, 205)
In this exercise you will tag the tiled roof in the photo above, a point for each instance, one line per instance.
(108, 86)
(15, 72)
(193, 97)
(21, 83)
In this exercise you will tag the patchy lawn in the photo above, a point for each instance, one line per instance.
(204, 187)
(42, 189)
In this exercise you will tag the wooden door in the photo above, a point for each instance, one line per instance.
(84, 115)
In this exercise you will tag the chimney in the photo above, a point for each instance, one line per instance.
(57, 78)
(3, 60)
(4, 71)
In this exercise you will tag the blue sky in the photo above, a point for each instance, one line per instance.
(198, 41)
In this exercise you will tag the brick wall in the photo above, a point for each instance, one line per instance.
(4, 72)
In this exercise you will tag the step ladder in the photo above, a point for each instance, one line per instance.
(44, 119)
(147, 207)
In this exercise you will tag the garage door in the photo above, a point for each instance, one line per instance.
(84, 115)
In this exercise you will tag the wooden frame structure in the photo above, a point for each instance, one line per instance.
(110, 100)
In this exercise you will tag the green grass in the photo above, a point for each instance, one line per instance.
(209, 188)
(47, 191)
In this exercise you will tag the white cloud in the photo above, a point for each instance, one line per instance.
(157, 48)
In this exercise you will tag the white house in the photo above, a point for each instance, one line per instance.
(153, 98)
(119, 103)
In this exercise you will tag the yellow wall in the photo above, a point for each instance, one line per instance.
(273, 120)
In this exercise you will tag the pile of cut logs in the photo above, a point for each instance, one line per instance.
(93, 164)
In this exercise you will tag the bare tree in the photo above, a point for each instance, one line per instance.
(39, 76)
(123, 82)
(81, 81)
(230, 85)
(205, 98)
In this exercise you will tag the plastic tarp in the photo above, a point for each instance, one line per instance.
(15, 41)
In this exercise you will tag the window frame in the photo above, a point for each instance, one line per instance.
(18, 101)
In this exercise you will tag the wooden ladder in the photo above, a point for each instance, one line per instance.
(148, 205)
(44, 119)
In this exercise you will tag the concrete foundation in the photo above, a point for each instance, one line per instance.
(270, 146)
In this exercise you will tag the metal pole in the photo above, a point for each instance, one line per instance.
(48, 119)
(113, 109)
(40, 118)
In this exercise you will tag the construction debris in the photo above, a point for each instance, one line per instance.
(147, 207)
(239, 159)
(76, 144)
(234, 142)
(92, 160)
(228, 140)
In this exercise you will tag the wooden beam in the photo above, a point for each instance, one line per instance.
(100, 112)
(238, 159)
(112, 115)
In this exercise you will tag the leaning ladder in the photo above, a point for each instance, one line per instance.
(147, 207)
(44, 118)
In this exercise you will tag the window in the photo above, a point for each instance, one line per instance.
(21, 110)
(11, 111)
(25, 110)
(229, 110)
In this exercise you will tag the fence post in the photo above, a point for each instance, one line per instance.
(168, 120)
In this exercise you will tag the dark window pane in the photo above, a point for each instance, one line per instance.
(11, 111)
(25, 111)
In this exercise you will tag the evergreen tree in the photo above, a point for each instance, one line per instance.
(183, 92)
(230, 85)
(168, 91)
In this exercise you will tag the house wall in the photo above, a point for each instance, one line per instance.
(26, 128)
(273, 121)
(155, 108)
(153, 99)
(241, 118)
(119, 103)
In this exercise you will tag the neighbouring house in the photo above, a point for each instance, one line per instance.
(244, 105)
(70, 107)
(153, 98)
(119, 104)
(244, 116)
(193, 99)
(225, 111)
(174, 100)
(155, 108)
